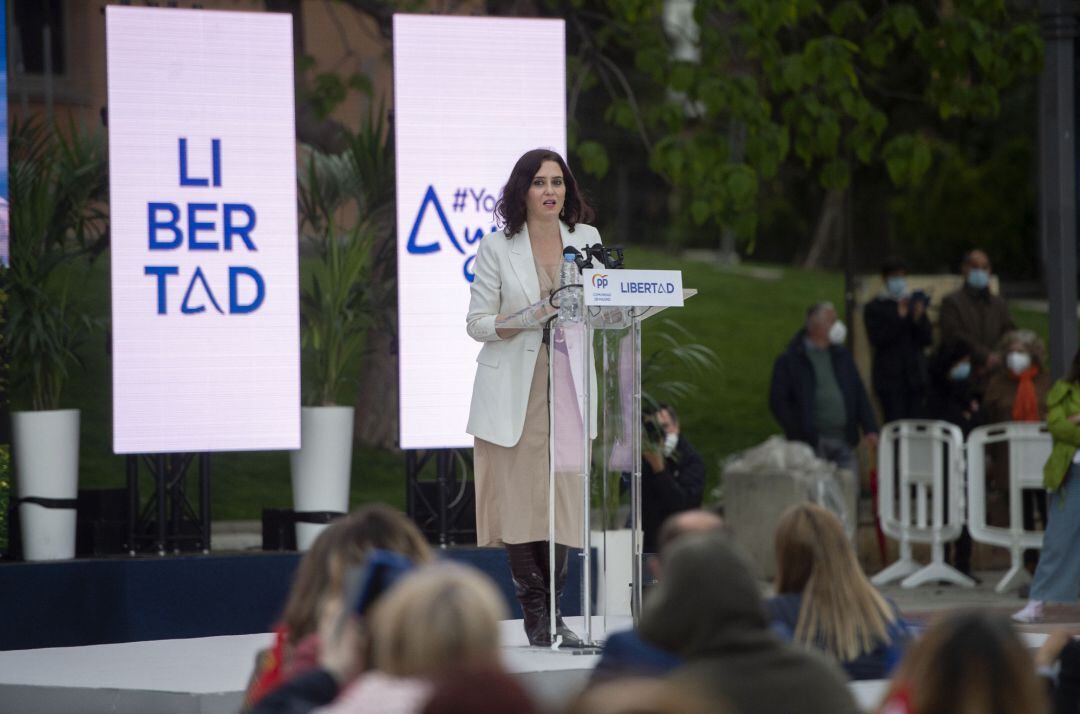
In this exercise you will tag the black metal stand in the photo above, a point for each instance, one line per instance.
(167, 521)
(443, 508)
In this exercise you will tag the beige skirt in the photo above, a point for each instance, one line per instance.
(512, 482)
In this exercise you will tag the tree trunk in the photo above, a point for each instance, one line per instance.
(377, 392)
(829, 230)
(376, 423)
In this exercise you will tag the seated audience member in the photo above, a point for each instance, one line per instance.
(672, 474)
(968, 663)
(625, 654)
(440, 617)
(1058, 662)
(478, 691)
(899, 331)
(825, 601)
(1017, 392)
(320, 575)
(644, 696)
(707, 610)
(952, 398)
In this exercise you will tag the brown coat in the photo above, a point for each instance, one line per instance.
(976, 316)
(1000, 395)
(997, 405)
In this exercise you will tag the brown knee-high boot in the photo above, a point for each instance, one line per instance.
(562, 553)
(530, 586)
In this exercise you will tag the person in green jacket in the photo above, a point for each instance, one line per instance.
(1057, 578)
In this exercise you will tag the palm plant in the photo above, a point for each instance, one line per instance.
(675, 354)
(333, 295)
(58, 184)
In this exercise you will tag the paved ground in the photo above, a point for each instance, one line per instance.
(922, 605)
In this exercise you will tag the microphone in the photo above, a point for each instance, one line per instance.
(610, 258)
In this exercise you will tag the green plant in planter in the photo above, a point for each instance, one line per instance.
(58, 185)
(661, 367)
(333, 288)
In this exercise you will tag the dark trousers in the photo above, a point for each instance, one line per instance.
(900, 403)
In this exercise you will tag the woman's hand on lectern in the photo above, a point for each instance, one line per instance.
(532, 317)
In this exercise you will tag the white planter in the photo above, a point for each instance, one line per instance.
(46, 453)
(321, 466)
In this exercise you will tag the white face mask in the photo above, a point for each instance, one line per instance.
(670, 442)
(1017, 362)
(838, 333)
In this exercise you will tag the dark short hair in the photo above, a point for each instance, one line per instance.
(662, 407)
(510, 211)
(966, 260)
(891, 265)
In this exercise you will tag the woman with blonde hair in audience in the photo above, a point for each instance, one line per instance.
(825, 601)
(440, 617)
(344, 544)
(970, 663)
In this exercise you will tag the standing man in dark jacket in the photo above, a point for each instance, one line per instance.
(973, 315)
(899, 331)
(672, 475)
(816, 393)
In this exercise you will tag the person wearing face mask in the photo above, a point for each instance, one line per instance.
(952, 398)
(1016, 391)
(672, 474)
(974, 314)
(899, 331)
(816, 393)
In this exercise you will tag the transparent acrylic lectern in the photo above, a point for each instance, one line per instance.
(594, 398)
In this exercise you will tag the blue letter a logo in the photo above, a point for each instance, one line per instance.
(411, 246)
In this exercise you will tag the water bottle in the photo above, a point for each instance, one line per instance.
(569, 299)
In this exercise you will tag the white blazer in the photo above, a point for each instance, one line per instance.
(505, 281)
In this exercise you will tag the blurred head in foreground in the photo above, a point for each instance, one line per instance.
(442, 616)
(344, 544)
(967, 663)
(644, 696)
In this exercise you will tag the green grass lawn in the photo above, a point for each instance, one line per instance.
(746, 320)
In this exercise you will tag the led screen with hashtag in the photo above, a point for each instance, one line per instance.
(451, 165)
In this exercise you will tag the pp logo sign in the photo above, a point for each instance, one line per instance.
(633, 288)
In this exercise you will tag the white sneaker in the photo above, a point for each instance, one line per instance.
(1032, 612)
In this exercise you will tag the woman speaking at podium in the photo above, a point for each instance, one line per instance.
(541, 212)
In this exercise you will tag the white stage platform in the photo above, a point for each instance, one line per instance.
(208, 675)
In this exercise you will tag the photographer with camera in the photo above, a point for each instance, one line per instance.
(672, 473)
(899, 331)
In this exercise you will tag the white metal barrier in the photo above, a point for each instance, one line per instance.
(1029, 448)
(922, 461)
